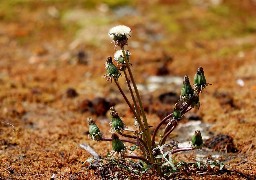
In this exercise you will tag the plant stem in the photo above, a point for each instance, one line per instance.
(125, 98)
(141, 143)
(184, 110)
(131, 91)
(182, 149)
(157, 128)
(162, 141)
(133, 98)
(145, 129)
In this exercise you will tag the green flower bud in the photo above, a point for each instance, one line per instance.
(119, 57)
(176, 114)
(94, 131)
(117, 144)
(197, 139)
(200, 80)
(186, 90)
(116, 122)
(112, 70)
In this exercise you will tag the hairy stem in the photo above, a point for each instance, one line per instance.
(132, 95)
(141, 143)
(157, 128)
(145, 128)
(182, 149)
(162, 141)
(126, 99)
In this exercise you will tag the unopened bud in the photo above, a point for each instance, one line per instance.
(94, 131)
(117, 144)
(186, 90)
(112, 70)
(197, 139)
(200, 80)
(176, 114)
(116, 122)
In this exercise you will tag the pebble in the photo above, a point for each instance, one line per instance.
(71, 93)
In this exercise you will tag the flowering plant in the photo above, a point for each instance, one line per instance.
(153, 153)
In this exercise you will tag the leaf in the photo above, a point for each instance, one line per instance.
(165, 154)
(159, 156)
(90, 150)
(198, 164)
(222, 166)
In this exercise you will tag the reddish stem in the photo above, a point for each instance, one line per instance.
(182, 149)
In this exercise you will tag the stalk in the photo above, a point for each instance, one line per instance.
(133, 97)
(145, 129)
(157, 128)
(126, 99)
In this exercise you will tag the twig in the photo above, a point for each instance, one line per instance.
(138, 157)
(162, 141)
(182, 149)
(125, 98)
(90, 150)
(158, 126)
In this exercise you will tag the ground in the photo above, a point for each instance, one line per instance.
(52, 67)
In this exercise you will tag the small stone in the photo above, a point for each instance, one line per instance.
(100, 106)
(85, 105)
(193, 116)
(82, 57)
(71, 93)
(162, 70)
(225, 99)
(221, 142)
(168, 98)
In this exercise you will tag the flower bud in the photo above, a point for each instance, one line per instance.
(199, 79)
(119, 56)
(117, 144)
(112, 71)
(176, 114)
(197, 139)
(94, 131)
(117, 124)
(186, 90)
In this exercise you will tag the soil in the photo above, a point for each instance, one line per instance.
(52, 67)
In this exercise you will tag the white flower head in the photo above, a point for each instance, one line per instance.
(119, 56)
(119, 34)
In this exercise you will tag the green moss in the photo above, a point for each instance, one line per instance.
(250, 26)
(221, 10)
(233, 50)
(116, 3)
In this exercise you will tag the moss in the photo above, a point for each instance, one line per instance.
(116, 3)
(221, 10)
(234, 50)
